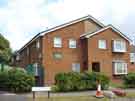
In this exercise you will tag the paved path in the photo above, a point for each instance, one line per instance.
(4, 96)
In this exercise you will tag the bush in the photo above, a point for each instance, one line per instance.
(129, 80)
(16, 80)
(4, 80)
(74, 81)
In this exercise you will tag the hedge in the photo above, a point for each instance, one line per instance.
(129, 80)
(74, 81)
(16, 80)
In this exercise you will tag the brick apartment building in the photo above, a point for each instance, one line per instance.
(84, 44)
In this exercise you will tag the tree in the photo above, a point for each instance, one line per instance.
(5, 50)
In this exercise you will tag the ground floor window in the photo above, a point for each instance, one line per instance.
(120, 67)
(132, 58)
(76, 67)
(96, 67)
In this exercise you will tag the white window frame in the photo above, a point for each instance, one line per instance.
(119, 46)
(72, 43)
(76, 67)
(102, 44)
(57, 53)
(36, 69)
(18, 57)
(28, 51)
(57, 41)
(123, 67)
(37, 44)
(132, 57)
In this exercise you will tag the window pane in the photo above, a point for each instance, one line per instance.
(72, 43)
(102, 44)
(76, 67)
(119, 46)
(57, 42)
(132, 57)
(120, 67)
(38, 44)
(57, 55)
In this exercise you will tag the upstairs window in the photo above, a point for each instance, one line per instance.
(38, 44)
(57, 42)
(132, 57)
(102, 44)
(119, 46)
(28, 51)
(18, 57)
(120, 67)
(72, 43)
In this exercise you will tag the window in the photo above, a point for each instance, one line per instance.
(27, 51)
(17, 57)
(57, 55)
(36, 69)
(72, 43)
(76, 67)
(102, 44)
(57, 42)
(120, 67)
(38, 44)
(132, 57)
(119, 46)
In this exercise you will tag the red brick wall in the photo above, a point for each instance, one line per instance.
(52, 66)
(33, 55)
(105, 57)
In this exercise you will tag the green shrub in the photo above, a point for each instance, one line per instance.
(129, 80)
(16, 80)
(74, 81)
(4, 81)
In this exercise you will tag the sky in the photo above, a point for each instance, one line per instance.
(20, 20)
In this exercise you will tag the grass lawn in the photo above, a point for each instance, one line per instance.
(69, 98)
(130, 95)
(117, 85)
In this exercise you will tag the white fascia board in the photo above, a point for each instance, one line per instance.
(109, 26)
(62, 26)
(70, 23)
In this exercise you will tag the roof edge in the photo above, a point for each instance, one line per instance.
(88, 35)
(61, 26)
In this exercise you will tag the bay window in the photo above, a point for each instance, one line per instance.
(120, 67)
(119, 46)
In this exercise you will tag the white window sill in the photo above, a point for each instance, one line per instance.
(57, 46)
(72, 47)
(119, 51)
(120, 73)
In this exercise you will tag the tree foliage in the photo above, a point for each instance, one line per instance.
(5, 50)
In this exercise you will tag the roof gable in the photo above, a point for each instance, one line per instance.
(72, 22)
(88, 35)
(62, 26)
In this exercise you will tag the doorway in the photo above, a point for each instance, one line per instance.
(96, 67)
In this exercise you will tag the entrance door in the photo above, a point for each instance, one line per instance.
(96, 67)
